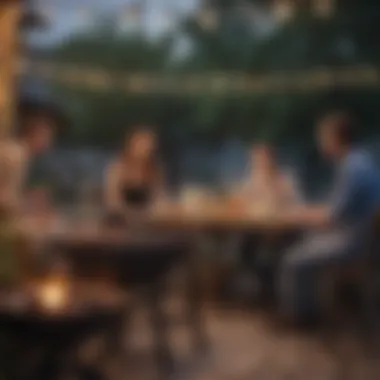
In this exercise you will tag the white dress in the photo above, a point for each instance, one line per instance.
(279, 192)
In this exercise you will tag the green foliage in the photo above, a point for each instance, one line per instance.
(348, 38)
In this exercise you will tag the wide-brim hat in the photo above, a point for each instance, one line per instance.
(31, 108)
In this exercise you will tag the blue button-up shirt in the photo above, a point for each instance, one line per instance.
(357, 190)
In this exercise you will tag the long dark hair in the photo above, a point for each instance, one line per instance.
(28, 110)
(151, 166)
(343, 125)
(270, 152)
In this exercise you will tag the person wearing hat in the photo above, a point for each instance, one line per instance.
(339, 230)
(34, 135)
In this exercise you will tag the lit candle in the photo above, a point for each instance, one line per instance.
(52, 295)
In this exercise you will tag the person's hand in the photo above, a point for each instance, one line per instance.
(309, 216)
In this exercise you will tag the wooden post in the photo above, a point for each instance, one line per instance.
(10, 13)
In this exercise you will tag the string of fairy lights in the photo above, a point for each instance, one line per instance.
(97, 79)
(218, 83)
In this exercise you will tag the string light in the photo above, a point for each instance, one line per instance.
(284, 10)
(323, 8)
(221, 83)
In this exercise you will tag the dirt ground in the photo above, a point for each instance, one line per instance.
(250, 346)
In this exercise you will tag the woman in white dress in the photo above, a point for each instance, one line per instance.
(267, 188)
(267, 183)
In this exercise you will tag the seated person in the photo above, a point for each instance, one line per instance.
(340, 229)
(266, 182)
(134, 178)
(33, 136)
(266, 185)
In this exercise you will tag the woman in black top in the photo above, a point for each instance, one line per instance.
(134, 179)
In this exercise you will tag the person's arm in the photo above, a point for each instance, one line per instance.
(249, 189)
(113, 199)
(343, 199)
(316, 216)
(348, 191)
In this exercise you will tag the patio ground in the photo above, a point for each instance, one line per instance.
(249, 346)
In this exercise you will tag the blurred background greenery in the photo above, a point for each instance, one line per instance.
(224, 36)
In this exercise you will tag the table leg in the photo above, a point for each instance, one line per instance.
(194, 316)
(159, 324)
(51, 366)
(14, 351)
(115, 336)
(72, 362)
(86, 373)
(62, 358)
(125, 331)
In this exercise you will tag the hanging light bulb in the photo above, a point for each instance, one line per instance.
(284, 10)
(323, 8)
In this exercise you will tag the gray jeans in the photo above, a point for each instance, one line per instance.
(303, 264)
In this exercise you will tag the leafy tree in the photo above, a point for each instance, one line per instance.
(347, 38)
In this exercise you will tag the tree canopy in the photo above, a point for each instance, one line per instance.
(346, 38)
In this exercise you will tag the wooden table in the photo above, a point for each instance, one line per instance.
(223, 217)
(142, 253)
(139, 260)
(224, 222)
(172, 218)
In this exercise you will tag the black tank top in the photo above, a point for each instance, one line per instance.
(137, 196)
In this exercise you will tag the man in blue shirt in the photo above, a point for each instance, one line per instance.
(339, 230)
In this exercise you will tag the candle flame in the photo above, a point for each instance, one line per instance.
(52, 294)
